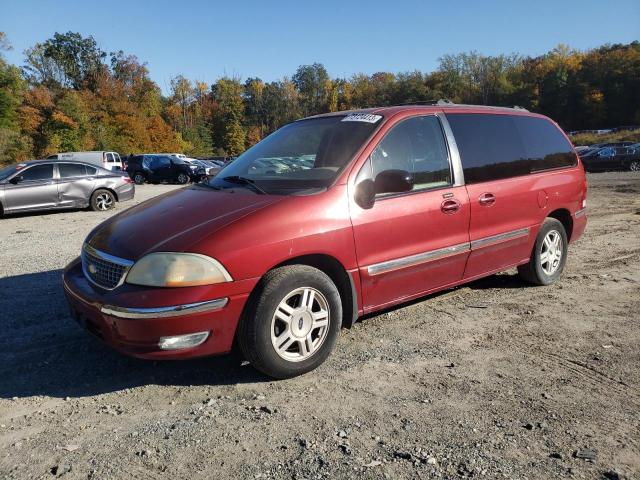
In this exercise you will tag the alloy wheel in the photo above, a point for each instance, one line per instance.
(104, 201)
(551, 254)
(635, 166)
(300, 324)
(182, 178)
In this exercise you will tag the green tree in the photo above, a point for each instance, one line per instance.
(228, 131)
(67, 60)
(311, 82)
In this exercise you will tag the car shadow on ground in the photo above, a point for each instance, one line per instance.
(44, 213)
(44, 352)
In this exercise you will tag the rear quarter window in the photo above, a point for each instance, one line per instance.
(546, 146)
(494, 147)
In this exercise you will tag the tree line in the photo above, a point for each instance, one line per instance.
(71, 95)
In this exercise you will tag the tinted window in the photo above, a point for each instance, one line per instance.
(545, 145)
(110, 157)
(490, 146)
(91, 170)
(417, 146)
(38, 172)
(494, 146)
(71, 170)
(159, 162)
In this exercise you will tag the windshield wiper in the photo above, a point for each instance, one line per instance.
(244, 181)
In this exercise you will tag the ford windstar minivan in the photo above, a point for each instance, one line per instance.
(329, 218)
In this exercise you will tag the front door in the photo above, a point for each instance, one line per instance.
(36, 189)
(410, 243)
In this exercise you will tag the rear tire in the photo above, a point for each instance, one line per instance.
(635, 166)
(549, 255)
(102, 200)
(138, 178)
(291, 322)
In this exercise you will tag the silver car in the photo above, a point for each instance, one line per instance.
(51, 184)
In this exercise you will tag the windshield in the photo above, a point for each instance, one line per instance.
(302, 157)
(7, 172)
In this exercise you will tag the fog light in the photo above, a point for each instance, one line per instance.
(182, 341)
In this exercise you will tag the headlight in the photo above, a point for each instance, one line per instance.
(177, 270)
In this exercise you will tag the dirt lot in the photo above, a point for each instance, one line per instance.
(491, 380)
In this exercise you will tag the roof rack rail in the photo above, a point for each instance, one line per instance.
(518, 107)
(440, 101)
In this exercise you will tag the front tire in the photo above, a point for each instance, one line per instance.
(549, 254)
(635, 166)
(291, 322)
(182, 178)
(102, 200)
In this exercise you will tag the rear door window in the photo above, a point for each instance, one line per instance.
(38, 172)
(490, 146)
(67, 170)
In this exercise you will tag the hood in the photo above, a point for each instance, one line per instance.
(174, 221)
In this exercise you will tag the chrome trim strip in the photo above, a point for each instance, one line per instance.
(454, 154)
(127, 264)
(580, 213)
(164, 312)
(430, 256)
(105, 256)
(502, 237)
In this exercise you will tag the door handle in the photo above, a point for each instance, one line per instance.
(487, 199)
(450, 206)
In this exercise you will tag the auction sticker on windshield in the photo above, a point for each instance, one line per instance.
(362, 117)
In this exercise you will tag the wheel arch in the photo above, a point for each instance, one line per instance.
(338, 275)
(564, 217)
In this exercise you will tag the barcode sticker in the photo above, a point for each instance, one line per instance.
(362, 117)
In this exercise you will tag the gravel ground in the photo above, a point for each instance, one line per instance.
(490, 380)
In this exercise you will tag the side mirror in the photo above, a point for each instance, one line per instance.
(17, 179)
(365, 195)
(393, 181)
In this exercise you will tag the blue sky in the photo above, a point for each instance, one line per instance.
(204, 40)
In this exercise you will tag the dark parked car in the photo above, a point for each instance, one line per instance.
(160, 168)
(51, 184)
(611, 158)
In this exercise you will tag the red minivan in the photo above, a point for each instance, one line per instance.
(329, 218)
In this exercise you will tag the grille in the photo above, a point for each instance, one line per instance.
(103, 269)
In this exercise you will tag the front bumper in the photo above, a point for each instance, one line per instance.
(133, 319)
